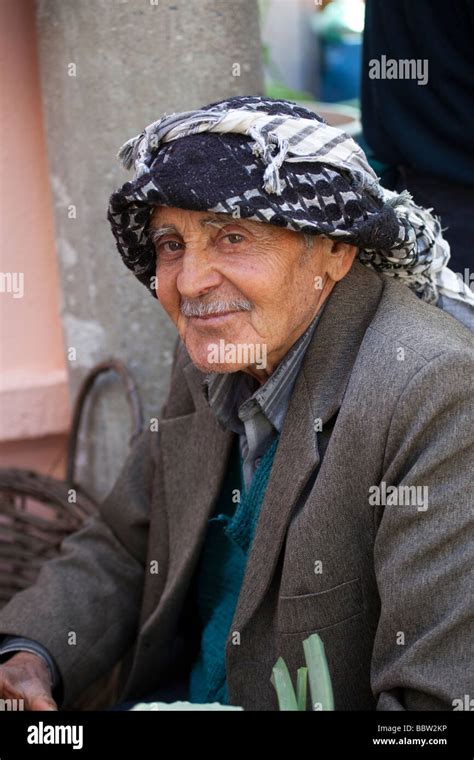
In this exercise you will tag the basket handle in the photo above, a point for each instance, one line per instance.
(133, 399)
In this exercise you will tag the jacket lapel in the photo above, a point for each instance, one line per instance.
(195, 449)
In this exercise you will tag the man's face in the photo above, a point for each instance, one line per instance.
(263, 280)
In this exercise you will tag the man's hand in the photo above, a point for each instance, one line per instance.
(26, 676)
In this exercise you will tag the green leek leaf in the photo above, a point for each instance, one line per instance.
(318, 673)
(301, 687)
(281, 681)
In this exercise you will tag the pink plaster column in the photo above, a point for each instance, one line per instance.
(34, 398)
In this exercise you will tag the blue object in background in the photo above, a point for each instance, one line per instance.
(339, 28)
(340, 70)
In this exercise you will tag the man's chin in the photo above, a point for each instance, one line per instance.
(226, 357)
(220, 368)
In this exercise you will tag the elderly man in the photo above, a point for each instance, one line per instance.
(310, 469)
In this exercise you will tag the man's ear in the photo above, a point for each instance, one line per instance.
(339, 260)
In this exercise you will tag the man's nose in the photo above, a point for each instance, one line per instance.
(198, 273)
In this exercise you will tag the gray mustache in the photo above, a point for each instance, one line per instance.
(202, 309)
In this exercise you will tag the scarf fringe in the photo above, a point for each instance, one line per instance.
(126, 152)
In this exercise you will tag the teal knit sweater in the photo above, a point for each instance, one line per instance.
(221, 569)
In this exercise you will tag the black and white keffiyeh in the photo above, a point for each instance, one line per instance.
(276, 162)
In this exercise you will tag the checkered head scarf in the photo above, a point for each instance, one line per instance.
(275, 162)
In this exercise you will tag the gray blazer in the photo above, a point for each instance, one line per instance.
(386, 586)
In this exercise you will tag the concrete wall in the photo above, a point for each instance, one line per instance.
(108, 68)
(293, 48)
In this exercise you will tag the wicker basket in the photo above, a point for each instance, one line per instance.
(36, 514)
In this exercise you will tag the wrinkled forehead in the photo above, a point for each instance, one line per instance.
(166, 220)
(163, 215)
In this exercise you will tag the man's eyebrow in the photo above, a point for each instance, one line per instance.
(157, 232)
(170, 229)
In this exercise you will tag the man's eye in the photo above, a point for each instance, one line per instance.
(169, 246)
(234, 238)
